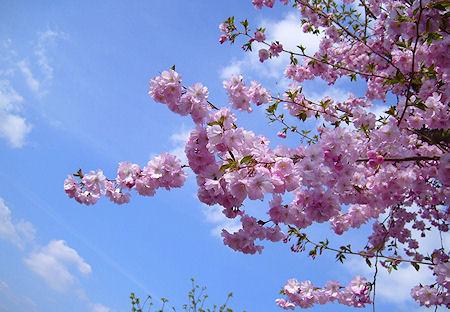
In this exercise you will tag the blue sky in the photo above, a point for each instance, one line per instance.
(73, 94)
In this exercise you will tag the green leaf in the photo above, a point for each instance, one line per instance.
(302, 48)
(398, 78)
(272, 108)
(229, 165)
(433, 36)
(217, 122)
(420, 105)
(247, 46)
(391, 111)
(246, 159)
(293, 59)
(302, 116)
(440, 5)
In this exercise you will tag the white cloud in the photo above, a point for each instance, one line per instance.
(56, 263)
(288, 32)
(233, 69)
(335, 93)
(45, 41)
(35, 68)
(379, 110)
(93, 307)
(97, 307)
(10, 100)
(18, 233)
(30, 80)
(396, 286)
(214, 215)
(52, 263)
(3, 285)
(179, 140)
(12, 301)
(13, 127)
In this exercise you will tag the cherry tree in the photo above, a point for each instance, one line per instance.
(389, 170)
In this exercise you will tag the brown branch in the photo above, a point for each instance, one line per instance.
(356, 38)
(414, 158)
(361, 253)
(322, 61)
(411, 75)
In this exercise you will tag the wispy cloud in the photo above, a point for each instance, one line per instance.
(18, 233)
(13, 127)
(56, 263)
(46, 40)
(288, 32)
(37, 69)
(335, 93)
(234, 68)
(31, 82)
(396, 286)
(37, 72)
(97, 307)
(179, 140)
(214, 216)
(12, 301)
(53, 263)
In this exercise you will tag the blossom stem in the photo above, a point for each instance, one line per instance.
(415, 158)
(350, 252)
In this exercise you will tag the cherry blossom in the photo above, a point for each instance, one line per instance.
(388, 171)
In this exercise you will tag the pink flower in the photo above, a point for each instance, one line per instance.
(127, 173)
(275, 49)
(115, 194)
(259, 184)
(285, 304)
(263, 55)
(260, 36)
(359, 165)
(71, 186)
(444, 169)
(167, 89)
(238, 93)
(292, 286)
(425, 295)
(258, 94)
(94, 182)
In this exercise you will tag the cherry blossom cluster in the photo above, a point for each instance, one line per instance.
(268, 3)
(240, 95)
(438, 294)
(389, 170)
(305, 295)
(167, 89)
(164, 171)
(244, 239)
(274, 51)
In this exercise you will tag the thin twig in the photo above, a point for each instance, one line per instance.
(411, 75)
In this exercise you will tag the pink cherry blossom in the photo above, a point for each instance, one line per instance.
(379, 160)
